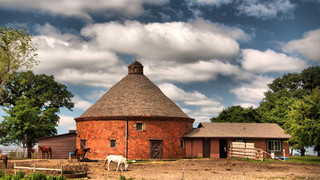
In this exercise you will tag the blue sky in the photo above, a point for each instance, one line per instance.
(205, 55)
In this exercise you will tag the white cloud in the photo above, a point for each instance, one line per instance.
(252, 92)
(266, 9)
(193, 72)
(204, 107)
(308, 45)
(67, 121)
(80, 104)
(212, 2)
(270, 61)
(95, 94)
(179, 41)
(71, 60)
(82, 8)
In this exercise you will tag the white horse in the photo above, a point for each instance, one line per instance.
(117, 159)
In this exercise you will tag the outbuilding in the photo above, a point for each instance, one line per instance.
(213, 140)
(134, 119)
(61, 145)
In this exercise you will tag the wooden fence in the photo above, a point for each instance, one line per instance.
(34, 168)
(245, 150)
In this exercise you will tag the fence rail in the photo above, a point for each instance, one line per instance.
(34, 168)
(250, 153)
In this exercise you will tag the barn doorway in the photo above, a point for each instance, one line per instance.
(155, 149)
(206, 148)
(223, 148)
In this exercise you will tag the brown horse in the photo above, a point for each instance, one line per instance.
(81, 153)
(4, 159)
(45, 149)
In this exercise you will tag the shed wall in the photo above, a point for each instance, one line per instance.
(194, 147)
(60, 145)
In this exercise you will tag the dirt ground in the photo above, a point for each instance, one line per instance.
(187, 169)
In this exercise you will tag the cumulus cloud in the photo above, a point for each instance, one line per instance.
(193, 72)
(71, 60)
(266, 9)
(179, 41)
(82, 8)
(67, 121)
(80, 103)
(270, 61)
(252, 92)
(308, 45)
(205, 107)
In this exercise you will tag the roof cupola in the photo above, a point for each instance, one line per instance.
(135, 68)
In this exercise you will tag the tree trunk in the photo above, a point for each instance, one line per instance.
(29, 150)
(302, 152)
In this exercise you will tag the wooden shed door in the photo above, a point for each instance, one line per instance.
(155, 149)
(206, 148)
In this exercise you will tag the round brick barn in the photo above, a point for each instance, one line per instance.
(134, 119)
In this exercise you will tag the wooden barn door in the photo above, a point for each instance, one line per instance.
(155, 149)
(206, 148)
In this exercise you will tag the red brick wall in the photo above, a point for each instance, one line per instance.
(99, 133)
(214, 148)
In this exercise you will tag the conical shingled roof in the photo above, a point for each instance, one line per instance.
(134, 95)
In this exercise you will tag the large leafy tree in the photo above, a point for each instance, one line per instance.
(304, 121)
(283, 94)
(32, 106)
(238, 114)
(17, 51)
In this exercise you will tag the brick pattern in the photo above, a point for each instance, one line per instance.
(99, 133)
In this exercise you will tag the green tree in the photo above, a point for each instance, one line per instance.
(17, 51)
(283, 93)
(238, 114)
(304, 121)
(32, 105)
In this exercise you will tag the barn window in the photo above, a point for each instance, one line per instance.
(112, 143)
(274, 145)
(181, 144)
(139, 126)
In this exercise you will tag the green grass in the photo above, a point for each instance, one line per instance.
(292, 159)
(305, 159)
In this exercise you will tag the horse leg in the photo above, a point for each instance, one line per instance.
(118, 166)
(105, 163)
(109, 164)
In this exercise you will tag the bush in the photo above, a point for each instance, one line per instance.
(33, 176)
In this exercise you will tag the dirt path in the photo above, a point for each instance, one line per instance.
(191, 169)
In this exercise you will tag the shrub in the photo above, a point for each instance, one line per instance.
(2, 173)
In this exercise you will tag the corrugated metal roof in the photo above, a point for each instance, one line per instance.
(238, 130)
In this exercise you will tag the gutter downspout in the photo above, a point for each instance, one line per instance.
(126, 150)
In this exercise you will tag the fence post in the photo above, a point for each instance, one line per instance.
(14, 167)
(34, 167)
(284, 155)
(61, 170)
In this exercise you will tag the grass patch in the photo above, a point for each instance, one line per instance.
(304, 159)
(292, 159)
